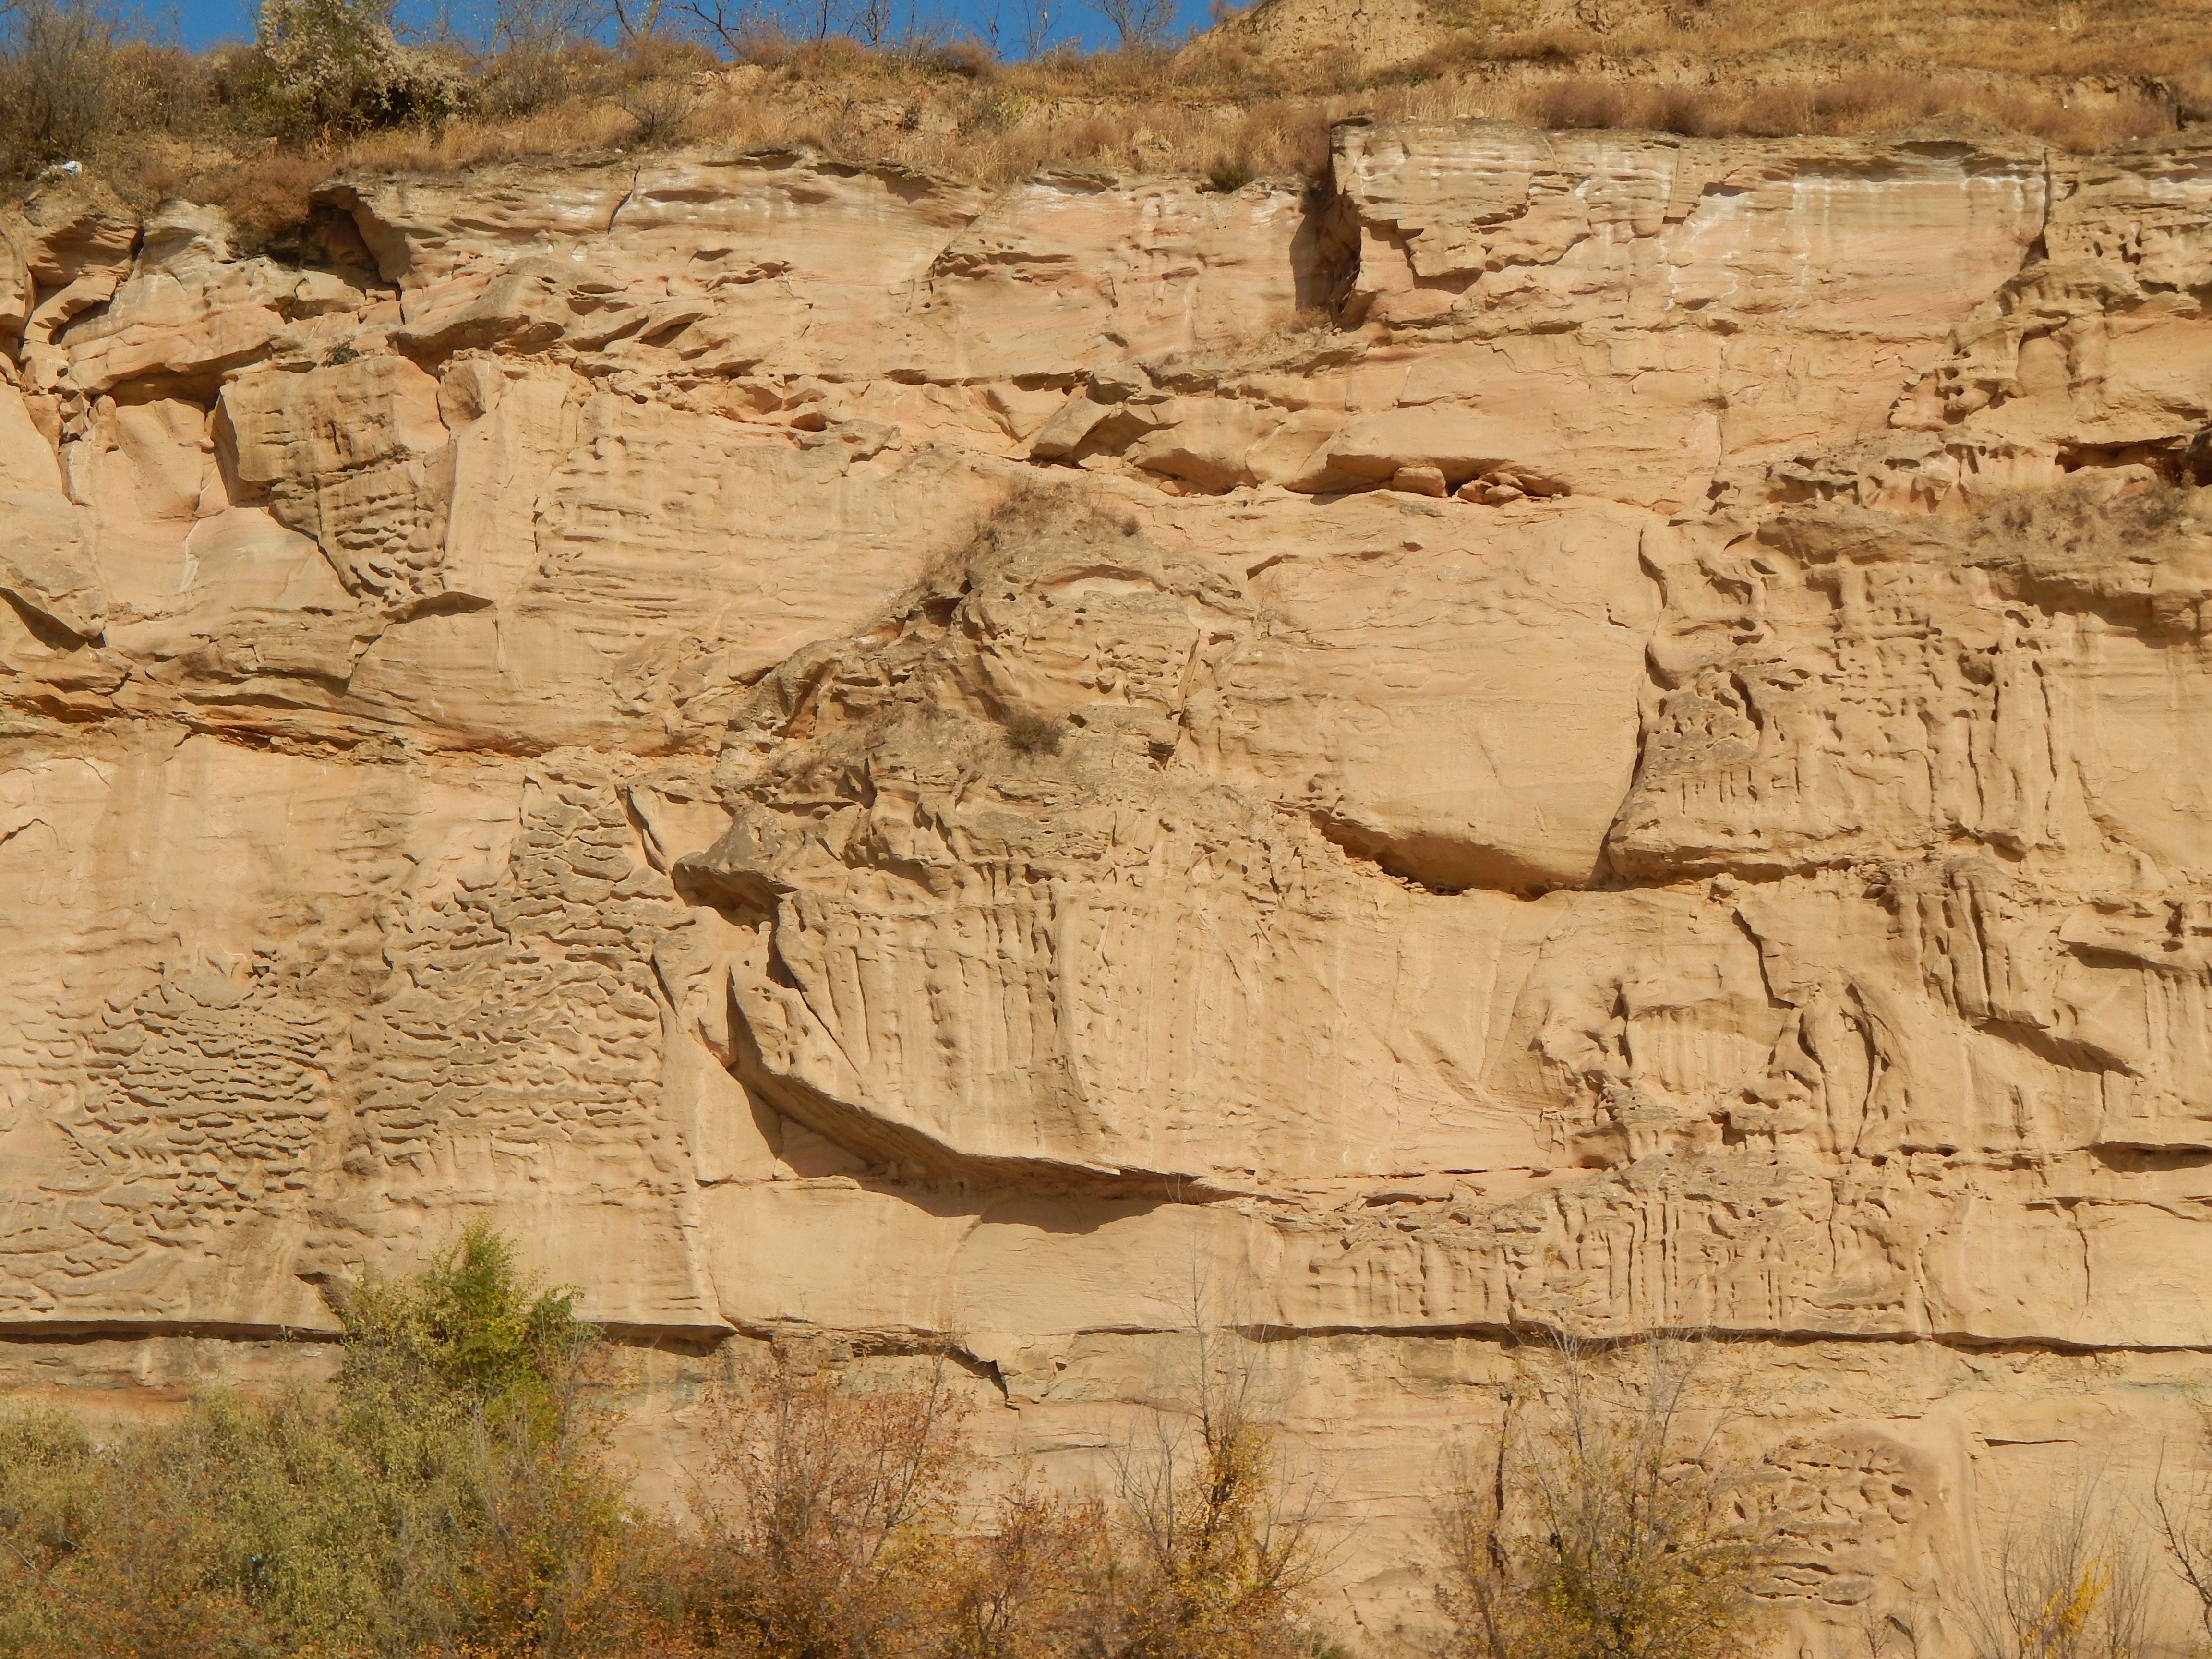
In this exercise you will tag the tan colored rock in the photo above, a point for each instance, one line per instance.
(353, 455)
(857, 759)
(44, 567)
(17, 295)
(1461, 752)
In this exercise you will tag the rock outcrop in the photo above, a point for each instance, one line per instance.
(1579, 733)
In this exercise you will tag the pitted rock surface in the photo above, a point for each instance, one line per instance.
(1581, 733)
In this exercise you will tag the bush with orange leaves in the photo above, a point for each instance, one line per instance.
(845, 1532)
(1218, 1550)
(849, 1534)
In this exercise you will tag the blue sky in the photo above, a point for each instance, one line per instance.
(206, 23)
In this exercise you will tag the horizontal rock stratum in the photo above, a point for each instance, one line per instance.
(1578, 732)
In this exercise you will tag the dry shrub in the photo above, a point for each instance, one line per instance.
(843, 1535)
(837, 57)
(2191, 85)
(57, 83)
(844, 1503)
(1550, 45)
(267, 195)
(328, 73)
(1033, 734)
(2181, 1514)
(1220, 1552)
(2076, 126)
(156, 88)
(151, 177)
(2069, 1578)
(519, 83)
(1612, 1520)
(851, 1526)
(966, 56)
(1092, 136)
(661, 57)
(567, 129)
(1875, 101)
(1230, 171)
(1684, 110)
(2117, 538)
(2100, 37)
(163, 1542)
(452, 1496)
(1724, 67)
(1578, 103)
(660, 110)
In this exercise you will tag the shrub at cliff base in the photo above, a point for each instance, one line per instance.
(451, 1495)
(847, 1534)
(450, 1498)
(1613, 1523)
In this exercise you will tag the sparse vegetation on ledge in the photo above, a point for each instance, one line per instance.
(454, 1493)
(330, 85)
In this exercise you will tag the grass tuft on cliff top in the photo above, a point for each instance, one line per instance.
(331, 85)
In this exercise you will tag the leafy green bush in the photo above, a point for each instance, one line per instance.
(468, 1326)
(453, 1496)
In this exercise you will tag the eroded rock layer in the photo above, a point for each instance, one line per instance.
(1580, 732)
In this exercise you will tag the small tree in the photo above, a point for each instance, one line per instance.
(849, 1532)
(452, 1499)
(1217, 1549)
(843, 1502)
(470, 1368)
(1614, 1528)
(636, 20)
(57, 70)
(2184, 1528)
(1138, 24)
(334, 67)
(1033, 1584)
(754, 29)
(1218, 1566)
(468, 1326)
(2067, 1583)
(531, 38)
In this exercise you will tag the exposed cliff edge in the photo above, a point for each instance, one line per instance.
(1588, 731)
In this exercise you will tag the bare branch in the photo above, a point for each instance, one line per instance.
(1610, 1517)
(2068, 1581)
(1138, 24)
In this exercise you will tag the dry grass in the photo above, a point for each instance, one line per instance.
(1873, 101)
(988, 133)
(971, 133)
(2082, 75)
(1230, 124)
(2071, 38)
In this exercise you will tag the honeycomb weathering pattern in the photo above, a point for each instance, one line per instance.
(847, 753)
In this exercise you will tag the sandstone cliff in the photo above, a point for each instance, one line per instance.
(1590, 732)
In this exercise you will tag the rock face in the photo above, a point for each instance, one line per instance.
(1578, 732)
